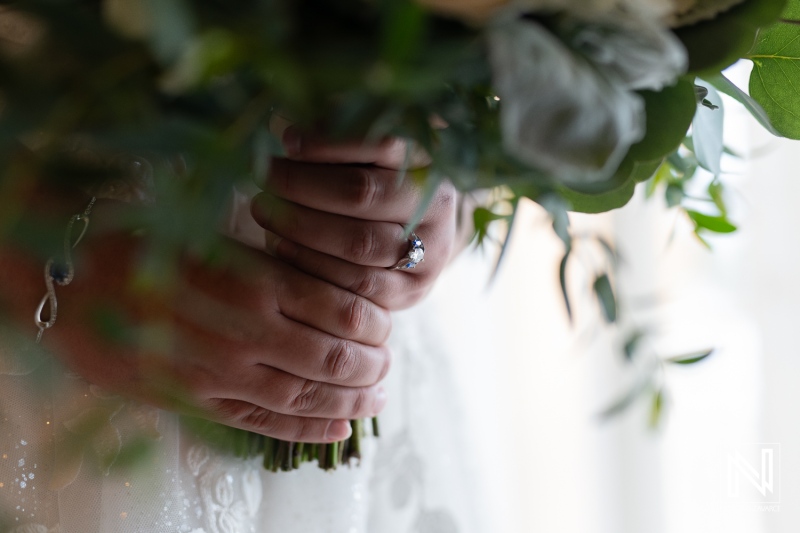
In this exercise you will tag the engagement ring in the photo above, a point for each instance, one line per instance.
(414, 256)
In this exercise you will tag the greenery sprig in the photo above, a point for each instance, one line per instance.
(189, 85)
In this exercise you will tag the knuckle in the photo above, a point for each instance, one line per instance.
(355, 316)
(366, 189)
(262, 420)
(341, 363)
(306, 399)
(246, 415)
(362, 244)
(367, 283)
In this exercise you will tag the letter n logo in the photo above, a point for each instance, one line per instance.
(761, 477)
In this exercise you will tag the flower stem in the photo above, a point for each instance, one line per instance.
(269, 453)
(297, 455)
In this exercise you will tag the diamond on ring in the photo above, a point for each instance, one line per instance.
(414, 256)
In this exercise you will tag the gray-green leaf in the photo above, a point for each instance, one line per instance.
(707, 134)
(605, 294)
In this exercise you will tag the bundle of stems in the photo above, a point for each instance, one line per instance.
(285, 455)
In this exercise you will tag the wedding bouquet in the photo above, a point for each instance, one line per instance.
(570, 103)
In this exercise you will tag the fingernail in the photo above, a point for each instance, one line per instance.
(291, 141)
(338, 430)
(380, 400)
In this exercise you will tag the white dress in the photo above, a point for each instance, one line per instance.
(417, 477)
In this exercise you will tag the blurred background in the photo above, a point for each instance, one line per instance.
(534, 384)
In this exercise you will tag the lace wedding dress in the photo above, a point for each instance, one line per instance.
(415, 478)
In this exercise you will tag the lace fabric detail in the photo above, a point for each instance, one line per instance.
(229, 499)
(410, 480)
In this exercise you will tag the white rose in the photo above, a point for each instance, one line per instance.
(673, 12)
(690, 11)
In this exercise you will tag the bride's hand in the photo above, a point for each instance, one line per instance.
(252, 343)
(341, 216)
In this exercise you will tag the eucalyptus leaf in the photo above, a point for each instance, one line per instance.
(632, 344)
(507, 241)
(707, 134)
(562, 276)
(605, 295)
(726, 86)
(642, 384)
(557, 209)
(674, 195)
(656, 408)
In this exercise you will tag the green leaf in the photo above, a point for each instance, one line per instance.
(562, 275)
(716, 44)
(674, 195)
(644, 170)
(431, 182)
(404, 25)
(611, 252)
(632, 343)
(626, 400)
(504, 248)
(599, 203)
(716, 191)
(669, 115)
(482, 218)
(718, 224)
(707, 134)
(701, 240)
(663, 174)
(557, 209)
(605, 295)
(656, 408)
(691, 358)
(726, 86)
(775, 80)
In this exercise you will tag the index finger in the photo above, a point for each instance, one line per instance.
(364, 192)
(391, 152)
